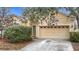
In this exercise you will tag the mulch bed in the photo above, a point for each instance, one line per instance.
(75, 46)
(4, 45)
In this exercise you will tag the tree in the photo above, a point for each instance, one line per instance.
(3, 14)
(34, 14)
(4, 11)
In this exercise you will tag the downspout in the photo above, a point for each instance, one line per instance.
(77, 18)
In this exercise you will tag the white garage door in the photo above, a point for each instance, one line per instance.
(59, 32)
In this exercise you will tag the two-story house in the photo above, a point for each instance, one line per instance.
(58, 27)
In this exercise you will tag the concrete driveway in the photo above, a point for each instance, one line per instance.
(49, 45)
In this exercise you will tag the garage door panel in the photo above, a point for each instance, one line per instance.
(54, 33)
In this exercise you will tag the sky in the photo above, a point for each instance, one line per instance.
(18, 11)
(64, 11)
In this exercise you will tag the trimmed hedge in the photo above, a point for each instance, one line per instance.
(74, 36)
(18, 34)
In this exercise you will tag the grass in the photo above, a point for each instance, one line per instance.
(4, 45)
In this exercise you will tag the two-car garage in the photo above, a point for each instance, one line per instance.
(56, 32)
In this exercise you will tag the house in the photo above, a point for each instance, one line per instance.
(19, 20)
(58, 27)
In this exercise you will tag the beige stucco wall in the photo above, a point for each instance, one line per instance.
(62, 19)
(25, 24)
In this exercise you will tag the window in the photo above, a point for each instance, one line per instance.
(67, 26)
(63, 26)
(44, 26)
(41, 27)
(55, 27)
(58, 26)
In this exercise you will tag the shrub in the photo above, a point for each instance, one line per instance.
(74, 36)
(18, 34)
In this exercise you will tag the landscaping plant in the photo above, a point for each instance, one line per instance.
(74, 36)
(18, 34)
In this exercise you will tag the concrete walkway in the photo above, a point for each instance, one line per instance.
(49, 45)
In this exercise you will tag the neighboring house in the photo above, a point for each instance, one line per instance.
(59, 27)
(19, 20)
(16, 20)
